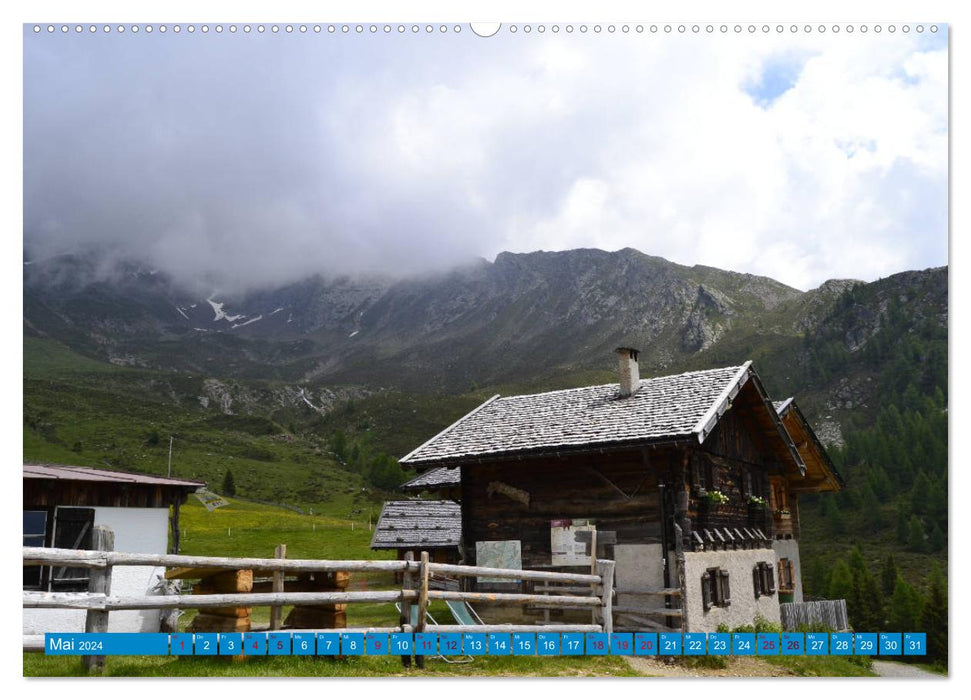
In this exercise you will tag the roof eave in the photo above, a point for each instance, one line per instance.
(408, 458)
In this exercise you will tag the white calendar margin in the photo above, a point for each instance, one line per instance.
(564, 11)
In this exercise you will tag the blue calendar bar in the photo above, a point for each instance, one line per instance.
(793, 644)
(915, 643)
(743, 644)
(376, 644)
(768, 644)
(304, 644)
(817, 643)
(450, 644)
(402, 644)
(645, 644)
(597, 644)
(181, 645)
(695, 644)
(475, 644)
(329, 644)
(891, 644)
(352, 644)
(622, 644)
(548, 643)
(478, 644)
(719, 643)
(669, 643)
(106, 644)
(572, 643)
(254, 643)
(230, 644)
(500, 644)
(278, 644)
(207, 644)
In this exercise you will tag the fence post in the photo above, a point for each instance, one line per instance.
(405, 618)
(276, 612)
(682, 583)
(422, 601)
(99, 581)
(605, 567)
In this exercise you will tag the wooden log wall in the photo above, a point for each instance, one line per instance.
(737, 462)
(516, 500)
(47, 493)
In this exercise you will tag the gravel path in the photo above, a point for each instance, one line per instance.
(738, 667)
(895, 669)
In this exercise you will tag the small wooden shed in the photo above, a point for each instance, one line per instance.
(63, 504)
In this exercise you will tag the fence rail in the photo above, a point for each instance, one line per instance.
(829, 613)
(416, 589)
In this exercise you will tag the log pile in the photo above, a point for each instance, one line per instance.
(325, 615)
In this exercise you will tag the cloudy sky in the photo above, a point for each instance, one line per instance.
(255, 160)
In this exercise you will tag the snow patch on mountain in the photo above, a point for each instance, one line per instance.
(217, 307)
(182, 312)
(353, 334)
(275, 311)
(246, 323)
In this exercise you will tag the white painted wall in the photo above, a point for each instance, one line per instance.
(136, 530)
(789, 549)
(745, 606)
(639, 568)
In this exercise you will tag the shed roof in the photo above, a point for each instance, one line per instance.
(677, 407)
(67, 473)
(433, 479)
(426, 524)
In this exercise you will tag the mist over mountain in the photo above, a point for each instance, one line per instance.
(537, 317)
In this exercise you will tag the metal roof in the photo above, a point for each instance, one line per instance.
(66, 473)
(424, 524)
(434, 478)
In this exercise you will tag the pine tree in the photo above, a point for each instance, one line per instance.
(888, 575)
(920, 494)
(936, 542)
(229, 484)
(915, 540)
(865, 602)
(905, 608)
(933, 621)
(840, 581)
(903, 528)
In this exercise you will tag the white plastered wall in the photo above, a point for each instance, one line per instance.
(143, 530)
(744, 605)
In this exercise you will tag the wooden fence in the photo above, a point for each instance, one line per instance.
(829, 613)
(415, 589)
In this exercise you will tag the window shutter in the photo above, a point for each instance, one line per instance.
(696, 474)
(757, 579)
(792, 575)
(770, 578)
(706, 591)
(726, 592)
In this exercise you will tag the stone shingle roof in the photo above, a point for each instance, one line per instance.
(425, 524)
(672, 407)
(433, 479)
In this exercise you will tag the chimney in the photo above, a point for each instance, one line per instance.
(630, 377)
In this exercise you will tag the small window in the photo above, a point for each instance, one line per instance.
(35, 535)
(73, 529)
(715, 589)
(786, 576)
(763, 579)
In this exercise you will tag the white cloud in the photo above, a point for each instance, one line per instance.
(405, 156)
